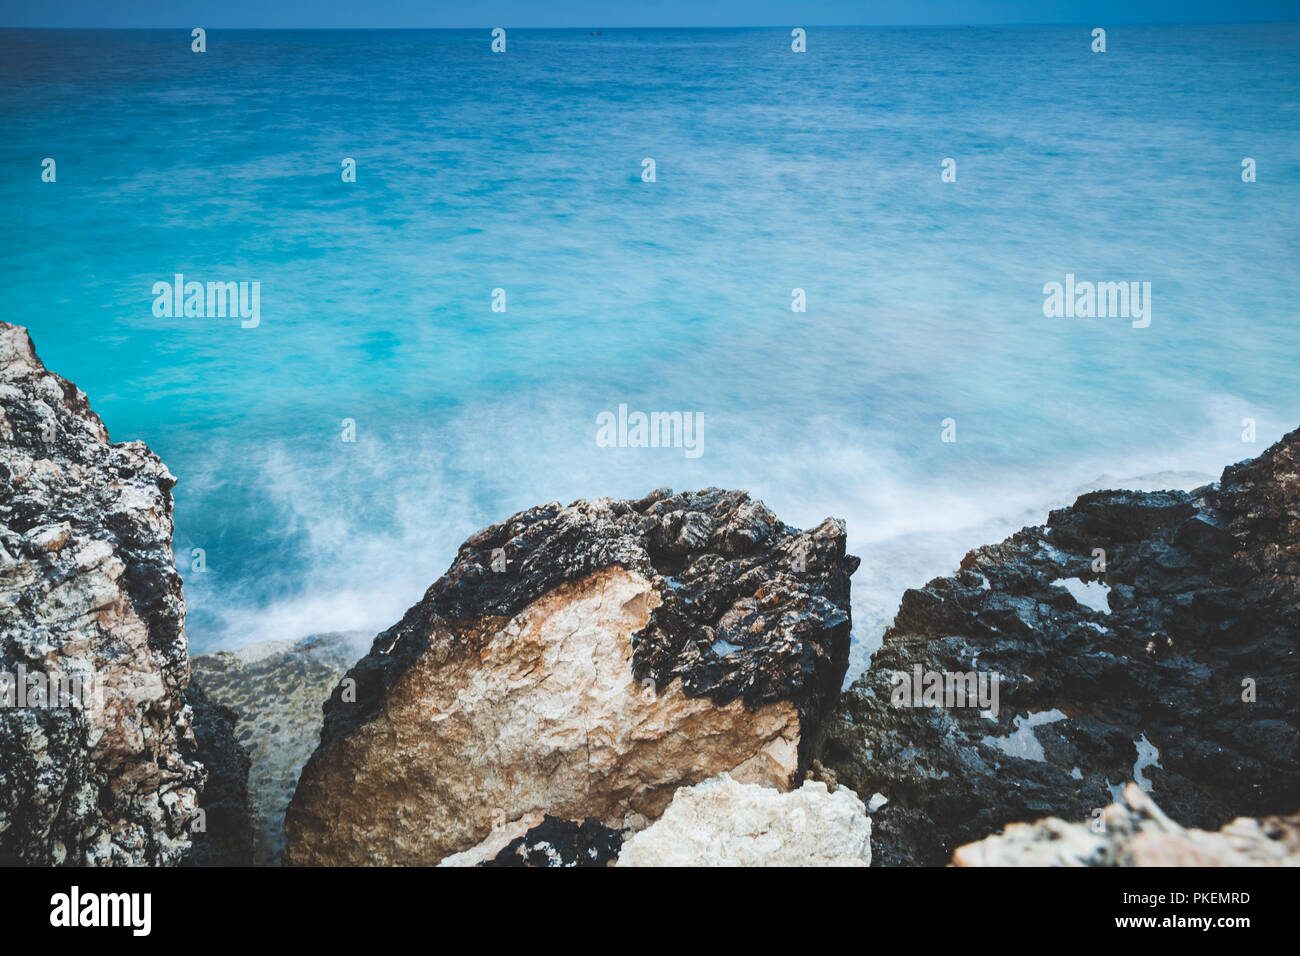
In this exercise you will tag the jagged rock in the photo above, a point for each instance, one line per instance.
(88, 590)
(581, 662)
(1144, 670)
(1135, 832)
(724, 823)
(276, 692)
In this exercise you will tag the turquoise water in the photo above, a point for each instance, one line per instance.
(522, 171)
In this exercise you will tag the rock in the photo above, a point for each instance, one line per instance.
(554, 843)
(541, 840)
(1134, 832)
(581, 662)
(88, 592)
(1175, 666)
(725, 823)
(223, 835)
(276, 692)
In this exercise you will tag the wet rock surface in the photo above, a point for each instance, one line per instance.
(88, 590)
(1135, 832)
(582, 662)
(1175, 666)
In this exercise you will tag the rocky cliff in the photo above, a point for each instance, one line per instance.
(581, 662)
(98, 754)
(1135, 636)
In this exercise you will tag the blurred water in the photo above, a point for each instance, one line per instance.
(523, 171)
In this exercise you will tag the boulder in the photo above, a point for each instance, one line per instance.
(103, 770)
(581, 662)
(722, 822)
(1136, 636)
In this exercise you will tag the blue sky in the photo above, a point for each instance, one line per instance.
(628, 13)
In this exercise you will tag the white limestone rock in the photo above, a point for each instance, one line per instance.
(725, 823)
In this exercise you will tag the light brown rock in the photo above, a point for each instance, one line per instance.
(538, 713)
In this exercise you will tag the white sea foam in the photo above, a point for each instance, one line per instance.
(376, 523)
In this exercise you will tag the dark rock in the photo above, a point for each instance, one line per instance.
(555, 842)
(1202, 600)
(226, 837)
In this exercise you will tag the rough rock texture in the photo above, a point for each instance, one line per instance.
(88, 589)
(1134, 832)
(275, 693)
(555, 843)
(725, 823)
(1199, 598)
(541, 840)
(223, 834)
(581, 662)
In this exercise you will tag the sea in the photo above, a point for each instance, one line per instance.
(836, 261)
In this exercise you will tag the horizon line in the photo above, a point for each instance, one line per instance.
(715, 26)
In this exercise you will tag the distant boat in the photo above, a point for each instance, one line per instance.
(594, 33)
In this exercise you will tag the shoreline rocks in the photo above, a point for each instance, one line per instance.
(1135, 832)
(106, 771)
(581, 662)
(1135, 636)
(570, 691)
(275, 692)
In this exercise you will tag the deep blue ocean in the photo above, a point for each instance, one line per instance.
(774, 171)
